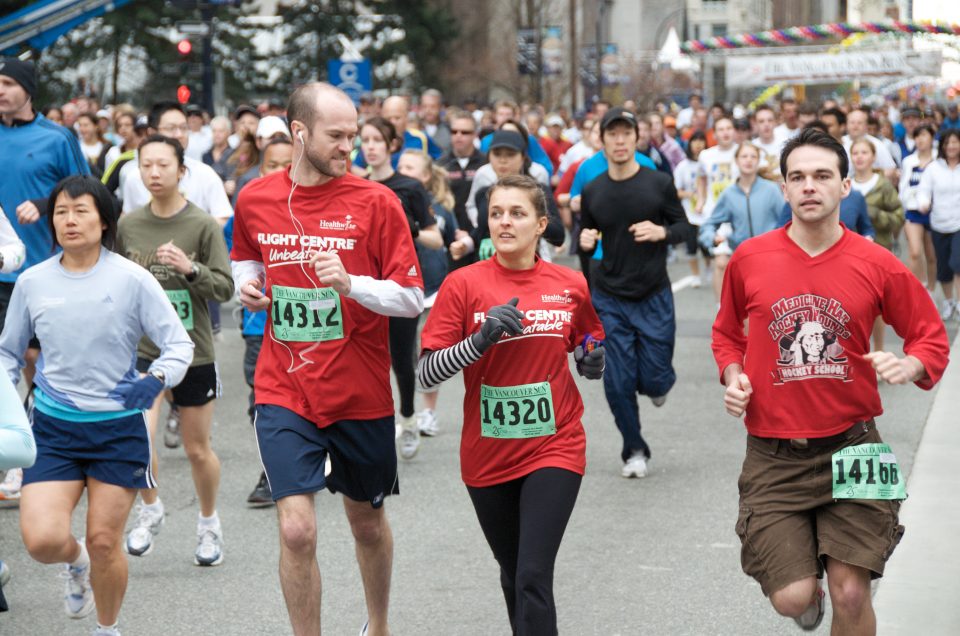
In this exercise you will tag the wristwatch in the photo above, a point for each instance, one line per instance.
(194, 271)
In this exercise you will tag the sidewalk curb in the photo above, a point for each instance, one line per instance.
(918, 593)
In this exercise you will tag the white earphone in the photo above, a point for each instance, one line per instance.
(300, 136)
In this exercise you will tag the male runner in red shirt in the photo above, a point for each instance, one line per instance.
(334, 255)
(819, 490)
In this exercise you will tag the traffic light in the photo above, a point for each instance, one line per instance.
(184, 48)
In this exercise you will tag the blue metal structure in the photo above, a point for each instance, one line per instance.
(41, 23)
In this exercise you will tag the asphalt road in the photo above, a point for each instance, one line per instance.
(651, 556)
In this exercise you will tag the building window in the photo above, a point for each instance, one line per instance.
(718, 30)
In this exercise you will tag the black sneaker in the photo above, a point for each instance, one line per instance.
(261, 496)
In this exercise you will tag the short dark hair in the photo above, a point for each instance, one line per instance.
(75, 186)
(278, 141)
(925, 128)
(697, 136)
(815, 137)
(806, 108)
(163, 139)
(944, 137)
(840, 116)
(819, 125)
(763, 107)
(160, 109)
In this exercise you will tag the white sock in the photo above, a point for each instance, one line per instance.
(114, 626)
(156, 507)
(83, 560)
(208, 523)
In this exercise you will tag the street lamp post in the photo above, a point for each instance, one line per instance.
(604, 9)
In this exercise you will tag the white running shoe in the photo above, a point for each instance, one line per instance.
(209, 546)
(171, 432)
(12, 482)
(106, 631)
(77, 595)
(636, 466)
(427, 423)
(4, 574)
(409, 437)
(947, 309)
(140, 538)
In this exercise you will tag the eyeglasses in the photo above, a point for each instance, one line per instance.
(462, 132)
(174, 129)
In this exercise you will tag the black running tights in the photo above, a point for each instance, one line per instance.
(523, 521)
(403, 344)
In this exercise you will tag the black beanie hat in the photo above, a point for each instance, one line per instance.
(22, 72)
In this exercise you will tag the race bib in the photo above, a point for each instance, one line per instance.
(306, 315)
(183, 305)
(867, 471)
(517, 412)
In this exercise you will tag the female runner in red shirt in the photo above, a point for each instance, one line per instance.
(523, 449)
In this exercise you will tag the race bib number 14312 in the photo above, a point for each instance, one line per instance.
(306, 315)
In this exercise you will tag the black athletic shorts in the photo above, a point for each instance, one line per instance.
(199, 386)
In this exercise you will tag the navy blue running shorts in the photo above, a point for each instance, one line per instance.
(115, 451)
(294, 452)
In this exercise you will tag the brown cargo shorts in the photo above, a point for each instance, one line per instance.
(789, 521)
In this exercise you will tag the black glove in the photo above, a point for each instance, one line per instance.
(142, 393)
(590, 363)
(501, 319)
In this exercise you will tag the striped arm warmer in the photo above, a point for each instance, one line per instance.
(436, 366)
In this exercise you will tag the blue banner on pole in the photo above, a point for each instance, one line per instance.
(353, 78)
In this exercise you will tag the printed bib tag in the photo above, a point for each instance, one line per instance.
(306, 315)
(867, 471)
(183, 305)
(517, 412)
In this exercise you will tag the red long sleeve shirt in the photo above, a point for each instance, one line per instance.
(810, 321)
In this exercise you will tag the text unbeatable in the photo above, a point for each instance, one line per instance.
(324, 243)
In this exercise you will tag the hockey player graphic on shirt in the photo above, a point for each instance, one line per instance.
(808, 330)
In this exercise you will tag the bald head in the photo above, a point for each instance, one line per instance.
(396, 109)
(312, 102)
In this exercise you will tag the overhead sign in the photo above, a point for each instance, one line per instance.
(353, 78)
(194, 28)
(827, 68)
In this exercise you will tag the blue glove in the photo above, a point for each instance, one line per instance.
(142, 393)
(486, 249)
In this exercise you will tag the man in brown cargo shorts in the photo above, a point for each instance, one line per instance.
(819, 490)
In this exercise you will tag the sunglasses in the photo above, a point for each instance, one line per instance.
(457, 131)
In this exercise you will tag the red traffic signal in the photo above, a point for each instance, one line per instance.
(184, 47)
(183, 94)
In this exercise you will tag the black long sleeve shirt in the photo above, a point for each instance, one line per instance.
(629, 269)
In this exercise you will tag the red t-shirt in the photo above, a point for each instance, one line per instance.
(556, 303)
(810, 323)
(337, 378)
(554, 149)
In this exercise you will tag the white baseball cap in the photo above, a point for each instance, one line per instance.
(270, 126)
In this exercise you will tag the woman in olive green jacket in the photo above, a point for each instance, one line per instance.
(883, 203)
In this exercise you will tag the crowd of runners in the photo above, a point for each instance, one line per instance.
(337, 227)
